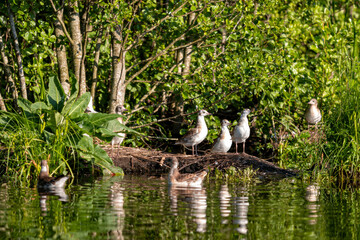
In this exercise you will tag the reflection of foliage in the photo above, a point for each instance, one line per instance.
(55, 128)
(281, 206)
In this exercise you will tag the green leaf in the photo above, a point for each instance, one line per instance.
(24, 104)
(38, 107)
(56, 95)
(74, 109)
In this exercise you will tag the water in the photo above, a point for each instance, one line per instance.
(142, 208)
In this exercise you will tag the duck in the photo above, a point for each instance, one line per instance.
(117, 140)
(184, 180)
(195, 135)
(313, 114)
(48, 183)
(242, 130)
(223, 142)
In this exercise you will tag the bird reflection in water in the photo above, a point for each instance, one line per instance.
(241, 215)
(225, 198)
(196, 197)
(312, 196)
(45, 193)
(117, 202)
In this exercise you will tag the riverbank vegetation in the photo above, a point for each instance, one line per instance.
(163, 60)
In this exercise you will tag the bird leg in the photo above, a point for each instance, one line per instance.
(192, 148)
(236, 147)
(117, 153)
(244, 147)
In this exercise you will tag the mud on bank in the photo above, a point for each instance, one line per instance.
(153, 162)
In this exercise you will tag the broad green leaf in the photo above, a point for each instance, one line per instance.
(38, 107)
(56, 95)
(74, 109)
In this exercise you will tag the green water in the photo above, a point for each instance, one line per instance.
(142, 208)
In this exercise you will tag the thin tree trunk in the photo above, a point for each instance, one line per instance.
(18, 53)
(96, 65)
(119, 71)
(2, 104)
(188, 49)
(77, 47)
(180, 59)
(60, 48)
(12, 84)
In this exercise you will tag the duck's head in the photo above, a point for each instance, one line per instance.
(44, 169)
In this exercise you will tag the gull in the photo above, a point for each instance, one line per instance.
(121, 136)
(223, 142)
(90, 108)
(313, 114)
(242, 130)
(195, 135)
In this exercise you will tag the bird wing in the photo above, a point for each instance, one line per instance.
(191, 177)
(190, 135)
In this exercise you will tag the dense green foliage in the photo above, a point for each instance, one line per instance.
(57, 128)
(277, 55)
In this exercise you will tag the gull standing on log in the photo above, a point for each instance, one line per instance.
(242, 130)
(196, 135)
(223, 142)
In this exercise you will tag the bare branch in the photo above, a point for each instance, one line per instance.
(139, 37)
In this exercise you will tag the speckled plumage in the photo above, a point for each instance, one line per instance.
(184, 180)
(196, 135)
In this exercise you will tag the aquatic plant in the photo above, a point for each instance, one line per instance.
(235, 175)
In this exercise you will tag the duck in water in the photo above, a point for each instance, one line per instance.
(48, 183)
(184, 180)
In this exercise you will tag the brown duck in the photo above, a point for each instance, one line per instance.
(47, 182)
(184, 180)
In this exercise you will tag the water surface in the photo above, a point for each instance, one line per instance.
(146, 208)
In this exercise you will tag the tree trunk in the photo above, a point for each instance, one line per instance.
(119, 71)
(18, 53)
(77, 47)
(61, 49)
(180, 59)
(96, 65)
(188, 50)
(2, 104)
(12, 84)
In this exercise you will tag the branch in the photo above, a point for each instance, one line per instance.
(62, 23)
(139, 37)
(184, 115)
